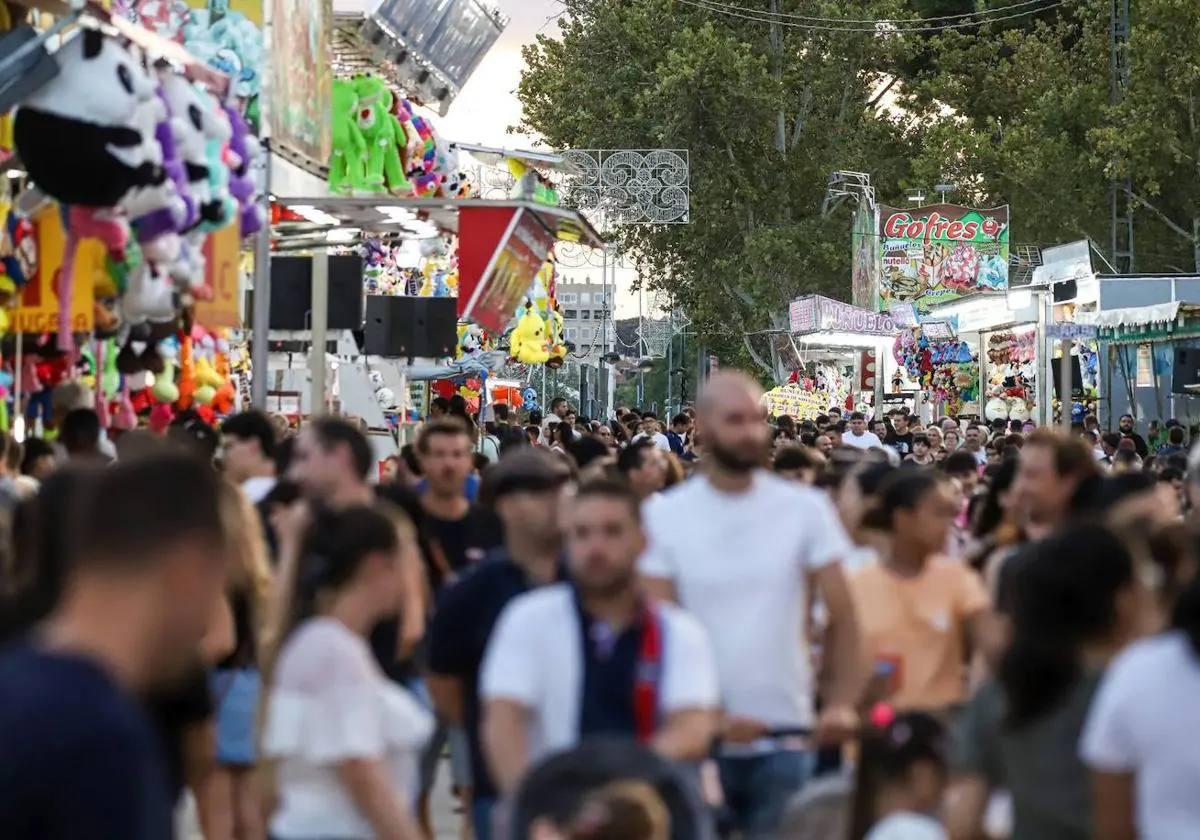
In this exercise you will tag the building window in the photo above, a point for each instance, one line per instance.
(585, 297)
(570, 313)
(571, 333)
(569, 297)
(585, 314)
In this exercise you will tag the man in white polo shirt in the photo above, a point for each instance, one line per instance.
(858, 437)
(737, 547)
(595, 657)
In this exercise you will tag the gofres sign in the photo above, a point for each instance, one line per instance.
(903, 226)
(815, 313)
(941, 252)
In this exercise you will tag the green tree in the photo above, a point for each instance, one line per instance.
(765, 119)
(1023, 116)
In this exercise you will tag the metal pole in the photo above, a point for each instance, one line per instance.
(701, 360)
(320, 324)
(670, 367)
(1064, 386)
(260, 321)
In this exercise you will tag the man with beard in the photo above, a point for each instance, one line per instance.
(1129, 430)
(595, 657)
(737, 547)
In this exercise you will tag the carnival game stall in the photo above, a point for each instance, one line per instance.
(131, 184)
(841, 351)
(1000, 330)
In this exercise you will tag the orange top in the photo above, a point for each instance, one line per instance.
(919, 625)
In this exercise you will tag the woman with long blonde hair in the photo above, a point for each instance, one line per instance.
(230, 803)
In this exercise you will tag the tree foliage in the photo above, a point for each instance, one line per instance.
(656, 74)
(1014, 112)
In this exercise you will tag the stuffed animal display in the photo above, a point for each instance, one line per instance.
(380, 146)
(527, 342)
(148, 164)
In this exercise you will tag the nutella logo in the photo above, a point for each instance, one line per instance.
(904, 226)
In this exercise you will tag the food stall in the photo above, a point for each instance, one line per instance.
(839, 351)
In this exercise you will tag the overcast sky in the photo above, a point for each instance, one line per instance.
(488, 103)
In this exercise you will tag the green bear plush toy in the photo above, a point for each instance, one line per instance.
(347, 167)
(383, 135)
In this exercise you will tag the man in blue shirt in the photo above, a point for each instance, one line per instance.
(681, 424)
(146, 574)
(527, 487)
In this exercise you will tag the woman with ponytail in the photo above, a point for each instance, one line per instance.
(919, 612)
(1140, 739)
(1074, 604)
(343, 740)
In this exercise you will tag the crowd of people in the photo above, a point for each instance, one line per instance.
(705, 625)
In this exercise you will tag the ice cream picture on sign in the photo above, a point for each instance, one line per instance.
(938, 253)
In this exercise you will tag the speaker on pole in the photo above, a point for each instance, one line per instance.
(411, 327)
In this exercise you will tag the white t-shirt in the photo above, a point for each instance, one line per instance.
(535, 658)
(907, 826)
(867, 440)
(256, 489)
(738, 562)
(330, 703)
(659, 440)
(1144, 720)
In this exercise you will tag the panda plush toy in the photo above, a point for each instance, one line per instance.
(78, 135)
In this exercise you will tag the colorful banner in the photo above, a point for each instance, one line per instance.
(795, 402)
(221, 260)
(938, 253)
(864, 253)
(38, 310)
(301, 76)
(511, 259)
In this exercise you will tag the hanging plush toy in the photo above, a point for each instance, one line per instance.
(187, 108)
(383, 136)
(242, 183)
(221, 208)
(554, 325)
(347, 162)
(78, 134)
(157, 230)
(529, 398)
(527, 344)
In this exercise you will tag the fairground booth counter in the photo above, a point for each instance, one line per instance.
(830, 356)
(1148, 334)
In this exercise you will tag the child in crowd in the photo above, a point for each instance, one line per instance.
(901, 779)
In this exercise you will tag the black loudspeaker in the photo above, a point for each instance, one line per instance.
(408, 327)
(1185, 370)
(1076, 376)
(291, 293)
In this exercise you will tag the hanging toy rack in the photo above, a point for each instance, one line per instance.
(93, 14)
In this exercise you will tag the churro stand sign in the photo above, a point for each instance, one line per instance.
(941, 252)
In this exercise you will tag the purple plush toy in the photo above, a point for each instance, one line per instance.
(241, 181)
(153, 228)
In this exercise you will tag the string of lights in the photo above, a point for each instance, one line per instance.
(979, 14)
(875, 27)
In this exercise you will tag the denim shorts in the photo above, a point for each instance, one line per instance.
(236, 692)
